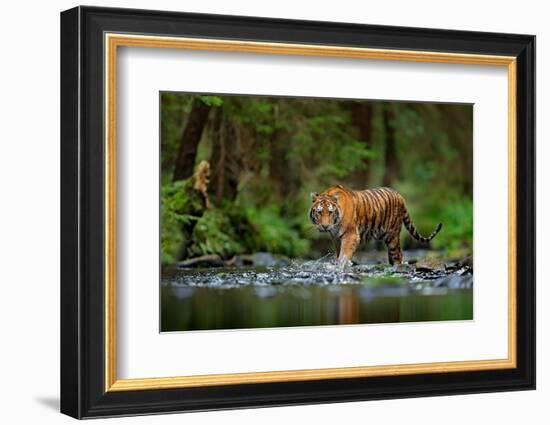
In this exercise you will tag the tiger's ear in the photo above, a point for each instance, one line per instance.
(313, 195)
(335, 196)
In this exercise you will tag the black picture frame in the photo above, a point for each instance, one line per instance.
(83, 392)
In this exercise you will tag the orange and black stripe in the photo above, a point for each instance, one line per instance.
(373, 213)
(409, 225)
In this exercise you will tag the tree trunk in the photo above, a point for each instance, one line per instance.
(231, 166)
(284, 171)
(190, 139)
(361, 115)
(278, 164)
(391, 173)
(225, 159)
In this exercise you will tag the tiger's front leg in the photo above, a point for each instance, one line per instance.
(350, 242)
(337, 244)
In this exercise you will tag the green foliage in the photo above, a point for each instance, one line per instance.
(180, 209)
(214, 234)
(230, 230)
(459, 227)
(325, 143)
(171, 239)
(268, 153)
(211, 100)
(226, 231)
(177, 199)
(272, 232)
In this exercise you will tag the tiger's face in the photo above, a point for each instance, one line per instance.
(325, 212)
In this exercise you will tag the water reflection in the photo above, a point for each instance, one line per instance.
(203, 300)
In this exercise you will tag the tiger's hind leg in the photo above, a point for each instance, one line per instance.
(395, 255)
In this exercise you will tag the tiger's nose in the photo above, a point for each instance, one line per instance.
(324, 226)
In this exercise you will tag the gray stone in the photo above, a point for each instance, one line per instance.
(403, 268)
(212, 260)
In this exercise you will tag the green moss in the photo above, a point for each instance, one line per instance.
(215, 234)
(181, 208)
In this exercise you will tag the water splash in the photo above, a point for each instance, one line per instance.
(322, 272)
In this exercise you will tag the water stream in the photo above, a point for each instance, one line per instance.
(305, 293)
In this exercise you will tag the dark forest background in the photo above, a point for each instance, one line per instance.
(237, 171)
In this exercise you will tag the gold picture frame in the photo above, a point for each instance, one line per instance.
(114, 41)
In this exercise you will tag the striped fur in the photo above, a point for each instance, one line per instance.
(351, 216)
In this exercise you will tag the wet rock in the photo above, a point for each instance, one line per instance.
(451, 267)
(403, 268)
(212, 260)
(377, 268)
(329, 279)
(241, 260)
(349, 277)
(427, 273)
(430, 265)
(467, 262)
(362, 269)
(465, 271)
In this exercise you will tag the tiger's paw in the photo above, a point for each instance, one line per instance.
(344, 262)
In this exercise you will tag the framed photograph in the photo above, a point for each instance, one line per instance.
(261, 212)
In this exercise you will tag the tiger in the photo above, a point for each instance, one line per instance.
(350, 216)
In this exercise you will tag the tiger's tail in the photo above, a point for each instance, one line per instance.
(414, 233)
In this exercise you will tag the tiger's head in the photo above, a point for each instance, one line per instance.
(325, 213)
